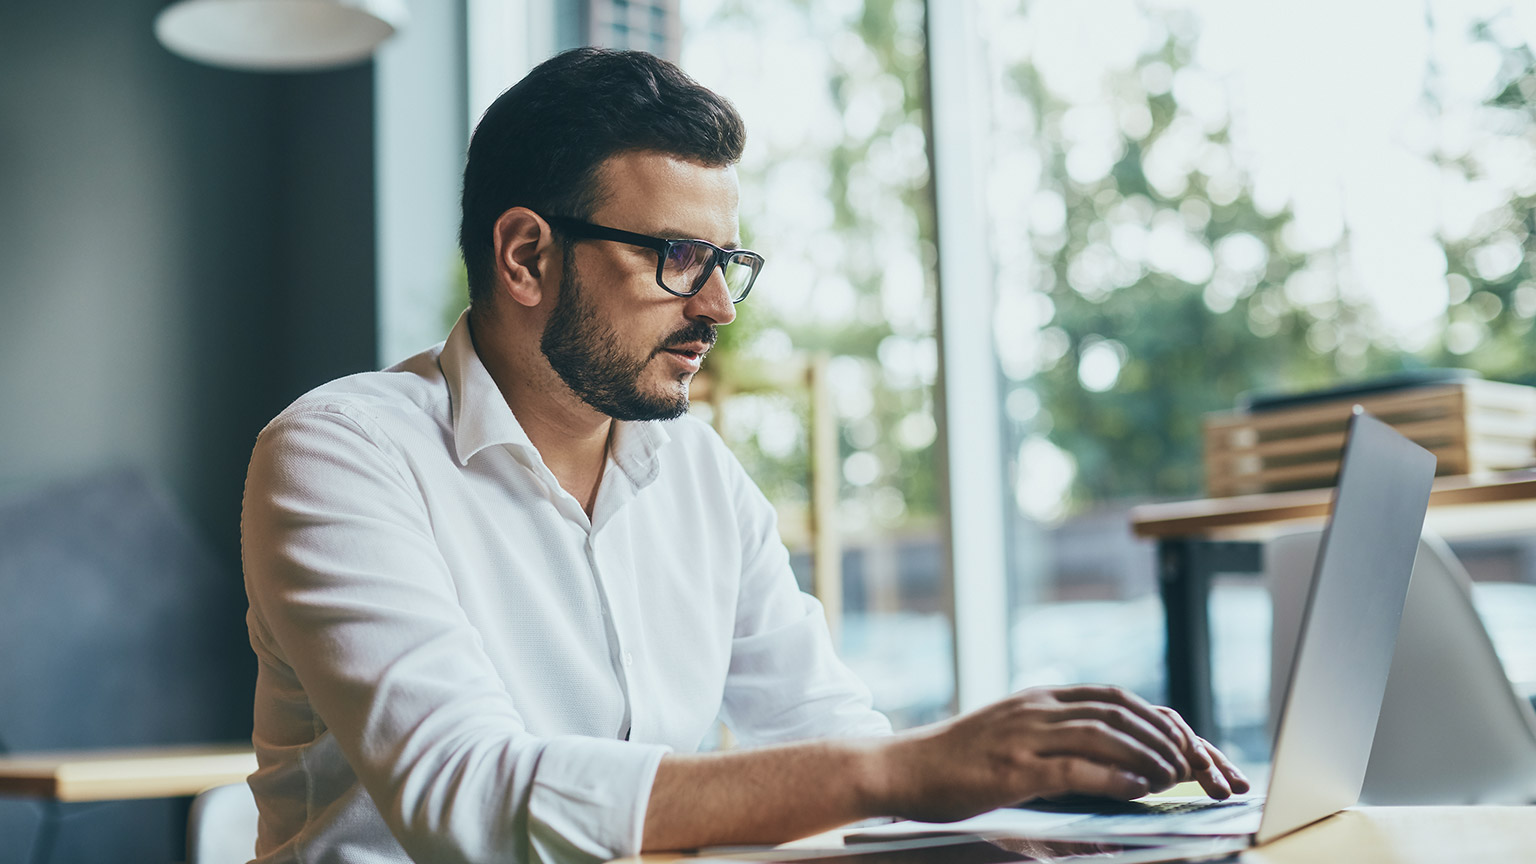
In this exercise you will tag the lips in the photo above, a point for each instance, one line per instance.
(690, 350)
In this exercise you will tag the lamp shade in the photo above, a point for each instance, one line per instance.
(278, 35)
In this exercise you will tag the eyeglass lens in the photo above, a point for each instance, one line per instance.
(687, 268)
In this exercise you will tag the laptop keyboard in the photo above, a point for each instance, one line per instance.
(1167, 808)
(1152, 816)
(1176, 815)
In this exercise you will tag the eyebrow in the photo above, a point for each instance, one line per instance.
(674, 234)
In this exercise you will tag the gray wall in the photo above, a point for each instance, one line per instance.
(183, 251)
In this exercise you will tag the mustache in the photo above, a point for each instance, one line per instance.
(698, 331)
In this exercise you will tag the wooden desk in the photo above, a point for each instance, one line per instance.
(1409, 835)
(114, 775)
(1366, 835)
(1491, 503)
(1196, 540)
(64, 777)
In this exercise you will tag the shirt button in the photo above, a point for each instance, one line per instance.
(629, 659)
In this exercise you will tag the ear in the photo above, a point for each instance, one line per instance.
(524, 246)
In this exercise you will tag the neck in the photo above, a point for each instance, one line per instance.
(570, 436)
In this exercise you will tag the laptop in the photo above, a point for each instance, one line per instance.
(1339, 671)
(1330, 708)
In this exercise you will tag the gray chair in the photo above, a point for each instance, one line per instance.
(221, 827)
(1452, 729)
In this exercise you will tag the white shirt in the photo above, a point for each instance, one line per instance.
(451, 654)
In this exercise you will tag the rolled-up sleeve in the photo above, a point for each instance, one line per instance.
(349, 590)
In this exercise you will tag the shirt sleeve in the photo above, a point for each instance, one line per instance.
(347, 588)
(786, 682)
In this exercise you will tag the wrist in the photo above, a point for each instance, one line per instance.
(878, 767)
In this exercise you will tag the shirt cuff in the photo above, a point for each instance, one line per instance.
(589, 798)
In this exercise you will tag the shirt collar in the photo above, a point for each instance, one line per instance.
(636, 450)
(482, 418)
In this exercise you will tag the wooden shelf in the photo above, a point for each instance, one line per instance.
(1472, 427)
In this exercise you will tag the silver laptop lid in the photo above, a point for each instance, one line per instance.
(1339, 672)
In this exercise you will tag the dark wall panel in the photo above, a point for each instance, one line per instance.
(183, 251)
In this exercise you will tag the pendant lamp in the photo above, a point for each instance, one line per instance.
(278, 35)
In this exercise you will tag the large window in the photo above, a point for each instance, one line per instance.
(835, 194)
(1180, 201)
(1184, 201)
(1192, 200)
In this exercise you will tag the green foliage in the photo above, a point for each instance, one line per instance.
(1492, 311)
(890, 37)
(1188, 341)
(1184, 355)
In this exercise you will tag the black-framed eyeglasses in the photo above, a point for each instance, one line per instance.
(682, 266)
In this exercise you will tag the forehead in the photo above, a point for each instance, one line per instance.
(662, 194)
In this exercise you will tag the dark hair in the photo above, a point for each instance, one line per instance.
(540, 144)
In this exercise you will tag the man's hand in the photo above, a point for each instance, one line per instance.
(1048, 742)
(1044, 742)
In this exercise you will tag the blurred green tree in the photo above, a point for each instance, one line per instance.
(879, 195)
(1136, 349)
(1489, 266)
(1167, 293)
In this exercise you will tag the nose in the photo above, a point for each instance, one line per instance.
(713, 302)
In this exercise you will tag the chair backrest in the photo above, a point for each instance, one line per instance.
(1452, 729)
(221, 829)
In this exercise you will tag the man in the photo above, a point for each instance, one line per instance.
(501, 591)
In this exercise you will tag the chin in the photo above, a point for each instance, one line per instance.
(673, 386)
(681, 396)
(669, 401)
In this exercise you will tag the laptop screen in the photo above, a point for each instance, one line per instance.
(1344, 652)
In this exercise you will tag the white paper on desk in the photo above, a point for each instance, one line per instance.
(1007, 820)
(1057, 825)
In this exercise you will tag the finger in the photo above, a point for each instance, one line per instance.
(1102, 743)
(1191, 758)
(1171, 727)
(1199, 760)
(1091, 693)
(1166, 721)
(1237, 781)
(1069, 775)
(1212, 780)
(1163, 741)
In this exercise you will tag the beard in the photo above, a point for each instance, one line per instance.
(584, 350)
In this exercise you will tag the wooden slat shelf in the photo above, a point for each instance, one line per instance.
(1471, 426)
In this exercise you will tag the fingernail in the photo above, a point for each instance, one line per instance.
(1136, 780)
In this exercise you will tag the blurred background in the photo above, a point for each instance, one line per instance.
(1183, 202)
(1017, 250)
